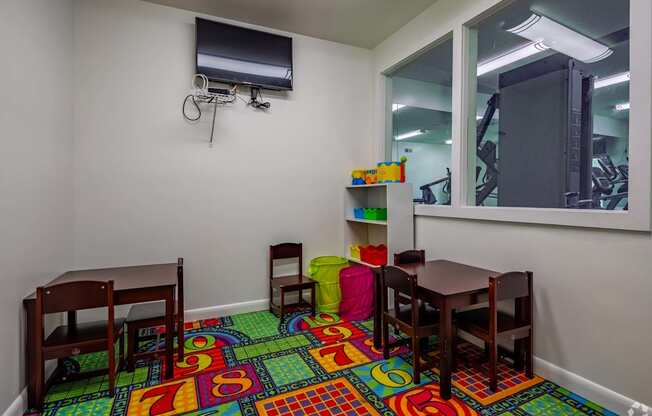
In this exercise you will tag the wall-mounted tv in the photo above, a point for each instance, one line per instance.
(235, 55)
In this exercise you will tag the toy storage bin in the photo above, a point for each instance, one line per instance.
(357, 285)
(354, 251)
(389, 172)
(358, 213)
(371, 177)
(326, 272)
(378, 214)
(358, 177)
(376, 255)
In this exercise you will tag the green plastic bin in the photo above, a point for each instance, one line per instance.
(326, 272)
(378, 214)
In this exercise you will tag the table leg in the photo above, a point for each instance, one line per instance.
(169, 334)
(72, 319)
(446, 346)
(378, 312)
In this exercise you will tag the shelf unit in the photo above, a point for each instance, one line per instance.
(397, 232)
(377, 222)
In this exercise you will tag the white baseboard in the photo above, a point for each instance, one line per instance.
(234, 308)
(223, 310)
(601, 395)
(596, 393)
(18, 406)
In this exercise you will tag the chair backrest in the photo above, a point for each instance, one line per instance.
(73, 296)
(285, 251)
(410, 257)
(515, 286)
(402, 283)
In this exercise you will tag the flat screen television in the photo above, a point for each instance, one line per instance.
(235, 55)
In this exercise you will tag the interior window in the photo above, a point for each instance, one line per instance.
(551, 109)
(421, 107)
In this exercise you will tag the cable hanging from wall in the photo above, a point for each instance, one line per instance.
(202, 93)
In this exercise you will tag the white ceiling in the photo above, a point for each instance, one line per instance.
(363, 23)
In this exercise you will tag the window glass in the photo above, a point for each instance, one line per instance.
(421, 122)
(551, 109)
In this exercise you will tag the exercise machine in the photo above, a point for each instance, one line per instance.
(487, 153)
(428, 196)
(546, 133)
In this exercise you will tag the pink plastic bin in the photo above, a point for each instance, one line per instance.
(357, 285)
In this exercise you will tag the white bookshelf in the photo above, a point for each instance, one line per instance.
(397, 232)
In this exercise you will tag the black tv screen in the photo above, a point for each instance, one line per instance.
(235, 55)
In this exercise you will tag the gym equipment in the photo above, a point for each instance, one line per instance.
(605, 179)
(428, 196)
(486, 152)
(546, 143)
(546, 134)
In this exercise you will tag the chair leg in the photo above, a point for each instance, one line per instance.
(385, 339)
(529, 370)
(282, 303)
(300, 297)
(416, 356)
(121, 347)
(180, 342)
(493, 361)
(454, 349)
(271, 297)
(111, 353)
(40, 385)
(132, 343)
(312, 301)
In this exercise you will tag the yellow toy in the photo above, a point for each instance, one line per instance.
(354, 251)
(358, 177)
(371, 177)
(389, 172)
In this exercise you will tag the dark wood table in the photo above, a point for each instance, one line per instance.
(133, 284)
(448, 286)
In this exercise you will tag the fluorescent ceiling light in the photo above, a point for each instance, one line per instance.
(562, 39)
(410, 134)
(622, 107)
(396, 107)
(510, 57)
(611, 80)
(449, 142)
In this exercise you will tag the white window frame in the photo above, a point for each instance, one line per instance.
(637, 218)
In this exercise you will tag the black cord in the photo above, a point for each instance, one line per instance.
(257, 100)
(194, 102)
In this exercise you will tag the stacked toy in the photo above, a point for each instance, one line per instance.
(386, 172)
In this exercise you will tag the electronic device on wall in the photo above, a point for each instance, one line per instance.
(237, 56)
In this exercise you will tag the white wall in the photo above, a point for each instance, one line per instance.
(147, 186)
(35, 165)
(593, 288)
